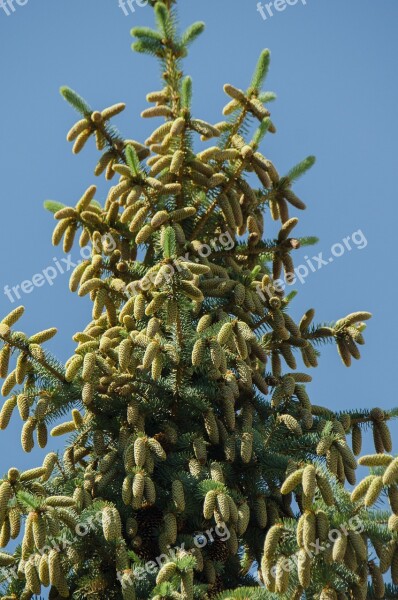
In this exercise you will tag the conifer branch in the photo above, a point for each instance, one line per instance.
(8, 339)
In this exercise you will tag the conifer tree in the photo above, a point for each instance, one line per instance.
(191, 436)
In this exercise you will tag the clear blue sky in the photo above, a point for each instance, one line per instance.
(334, 70)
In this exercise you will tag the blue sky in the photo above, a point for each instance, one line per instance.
(334, 70)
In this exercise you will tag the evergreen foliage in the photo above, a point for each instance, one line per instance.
(190, 430)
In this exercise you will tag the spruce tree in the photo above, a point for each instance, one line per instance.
(191, 436)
